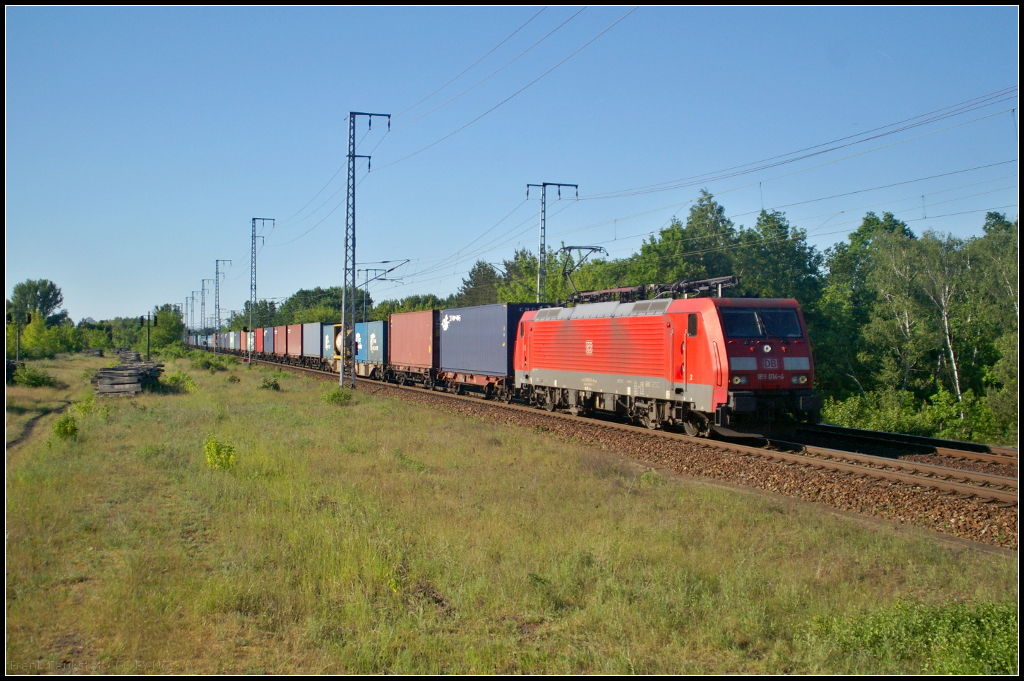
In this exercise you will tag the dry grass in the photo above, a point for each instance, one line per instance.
(380, 537)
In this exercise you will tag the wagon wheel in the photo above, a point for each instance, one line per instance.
(506, 396)
(695, 425)
(549, 401)
(650, 418)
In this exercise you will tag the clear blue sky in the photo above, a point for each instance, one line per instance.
(141, 141)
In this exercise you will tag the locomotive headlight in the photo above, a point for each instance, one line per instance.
(800, 379)
(740, 380)
(767, 348)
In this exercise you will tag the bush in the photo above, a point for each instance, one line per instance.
(234, 379)
(899, 412)
(179, 381)
(65, 427)
(339, 396)
(33, 378)
(175, 350)
(219, 455)
(86, 406)
(269, 384)
(203, 361)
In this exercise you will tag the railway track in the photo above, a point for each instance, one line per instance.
(966, 484)
(968, 451)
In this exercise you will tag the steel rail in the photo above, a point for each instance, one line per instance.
(987, 487)
(930, 445)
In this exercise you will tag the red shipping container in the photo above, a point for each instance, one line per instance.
(294, 340)
(280, 339)
(413, 340)
(259, 340)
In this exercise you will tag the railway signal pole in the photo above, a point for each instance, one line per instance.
(542, 265)
(348, 307)
(216, 287)
(148, 321)
(252, 273)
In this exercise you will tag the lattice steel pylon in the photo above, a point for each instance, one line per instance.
(216, 288)
(192, 312)
(542, 264)
(204, 290)
(252, 280)
(348, 287)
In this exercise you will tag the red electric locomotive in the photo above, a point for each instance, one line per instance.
(740, 366)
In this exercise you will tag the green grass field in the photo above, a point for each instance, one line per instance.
(370, 535)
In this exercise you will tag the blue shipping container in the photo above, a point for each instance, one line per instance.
(371, 340)
(268, 340)
(327, 344)
(480, 340)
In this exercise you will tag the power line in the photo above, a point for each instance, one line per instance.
(763, 240)
(938, 114)
(509, 36)
(832, 213)
(461, 257)
(510, 97)
(799, 203)
(342, 166)
(853, 156)
(493, 73)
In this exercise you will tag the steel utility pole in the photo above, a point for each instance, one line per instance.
(216, 287)
(204, 290)
(542, 265)
(184, 316)
(348, 307)
(252, 274)
(192, 312)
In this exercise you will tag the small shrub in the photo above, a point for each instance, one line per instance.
(174, 350)
(269, 384)
(86, 406)
(65, 427)
(234, 379)
(338, 395)
(31, 377)
(219, 455)
(212, 363)
(179, 381)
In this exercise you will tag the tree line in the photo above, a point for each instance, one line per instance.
(911, 332)
(35, 323)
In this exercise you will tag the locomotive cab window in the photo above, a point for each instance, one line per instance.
(691, 325)
(761, 323)
(521, 325)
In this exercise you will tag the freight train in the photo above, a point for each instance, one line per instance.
(736, 366)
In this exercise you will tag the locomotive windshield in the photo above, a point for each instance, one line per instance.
(761, 323)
